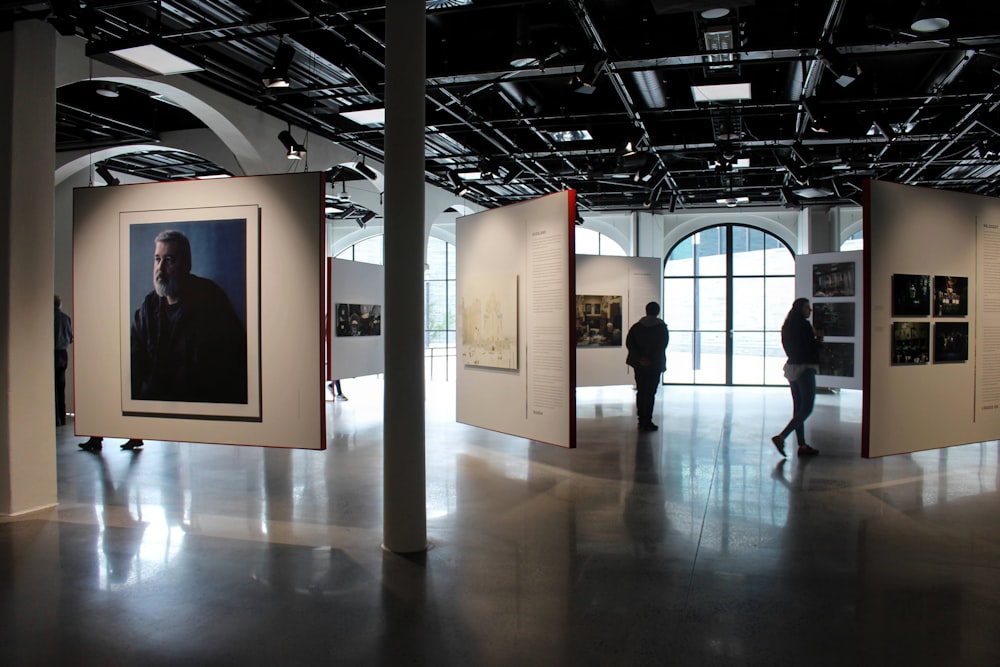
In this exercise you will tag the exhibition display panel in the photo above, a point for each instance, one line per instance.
(932, 354)
(611, 295)
(200, 303)
(356, 318)
(516, 370)
(834, 284)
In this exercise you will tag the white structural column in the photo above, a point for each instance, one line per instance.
(405, 521)
(27, 160)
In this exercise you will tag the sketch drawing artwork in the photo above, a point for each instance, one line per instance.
(489, 321)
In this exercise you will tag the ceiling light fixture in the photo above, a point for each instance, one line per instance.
(721, 92)
(585, 81)
(107, 89)
(631, 146)
(842, 68)
(156, 58)
(459, 187)
(343, 196)
(364, 169)
(365, 218)
(105, 174)
(654, 195)
(524, 54)
(929, 18)
(296, 151)
(276, 76)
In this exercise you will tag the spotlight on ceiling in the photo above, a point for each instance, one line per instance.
(631, 145)
(364, 169)
(296, 151)
(525, 53)
(459, 186)
(929, 18)
(648, 168)
(585, 81)
(107, 89)
(673, 202)
(654, 195)
(817, 121)
(365, 218)
(838, 64)
(105, 174)
(276, 76)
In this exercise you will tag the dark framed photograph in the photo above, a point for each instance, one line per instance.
(836, 359)
(598, 320)
(191, 313)
(835, 279)
(834, 319)
(951, 342)
(951, 295)
(911, 295)
(356, 319)
(911, 343)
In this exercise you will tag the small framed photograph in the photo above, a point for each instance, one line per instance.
(911, 295)
(911, 343)
(951, 342)
(951, 296)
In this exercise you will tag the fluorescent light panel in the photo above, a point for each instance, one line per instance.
(721, 92)
(571, 135)
(366, 116)
(156, 60)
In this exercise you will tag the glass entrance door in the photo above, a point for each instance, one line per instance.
(726, 292)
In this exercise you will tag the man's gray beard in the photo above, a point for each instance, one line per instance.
(169, 289)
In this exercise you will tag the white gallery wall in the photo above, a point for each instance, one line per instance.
(284, 269)
(515, 327)
(630, 282)
(923, 389)
(834, 284)
(363, 284)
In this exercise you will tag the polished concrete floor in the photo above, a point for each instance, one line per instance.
(695, 545)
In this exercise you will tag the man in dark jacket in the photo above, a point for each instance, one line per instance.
(188, 343)
(646, 343)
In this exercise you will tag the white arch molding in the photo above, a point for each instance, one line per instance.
(699, 222)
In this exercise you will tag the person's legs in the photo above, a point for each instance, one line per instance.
(62, 363)
(92, 444)
(804, 406)
(645, 396)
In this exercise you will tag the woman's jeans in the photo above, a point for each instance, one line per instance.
(803, 399)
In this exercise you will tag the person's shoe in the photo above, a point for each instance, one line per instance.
(341, 397)
(133, 444)
(92, 445)
(779, 444)
(806, 450)
(650, 426)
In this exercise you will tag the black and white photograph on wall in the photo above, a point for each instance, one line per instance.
(836, 359)
(835, 279)
(911, 295)
(598, 320)
(911, 343)
(951, 342)
(834, 319)
(951, 296)
(358, 319)
(190, 288)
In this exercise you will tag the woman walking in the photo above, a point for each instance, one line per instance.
(801, 343)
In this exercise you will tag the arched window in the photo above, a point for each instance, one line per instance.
(726, 292)
(590, 242)
(370, 250)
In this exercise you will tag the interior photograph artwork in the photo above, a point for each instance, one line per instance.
(355, 319)
(598, 320)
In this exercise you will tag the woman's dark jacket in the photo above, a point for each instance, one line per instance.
(799, 341)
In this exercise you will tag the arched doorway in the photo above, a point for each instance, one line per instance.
(726, 292)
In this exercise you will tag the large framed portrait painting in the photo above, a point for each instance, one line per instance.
(190, 312)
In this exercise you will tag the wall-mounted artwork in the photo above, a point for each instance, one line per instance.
(598, 320)
(951, 295)
(836, 359)
(951, 342)
(834, 319)
(190, 327)
(911, 295)
(911, 343)
(489, 320)
(358, 319)
(833, 279)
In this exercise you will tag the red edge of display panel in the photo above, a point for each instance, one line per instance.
(866, 354)
(324, 339)
(571, 324)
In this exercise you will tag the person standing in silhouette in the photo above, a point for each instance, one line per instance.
(646, 343)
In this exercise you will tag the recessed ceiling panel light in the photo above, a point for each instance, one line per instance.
(366, 116)
(715, 13)
(721, 92)
(209, 177)
(157, 60)
(470, 175)
(571, 135)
